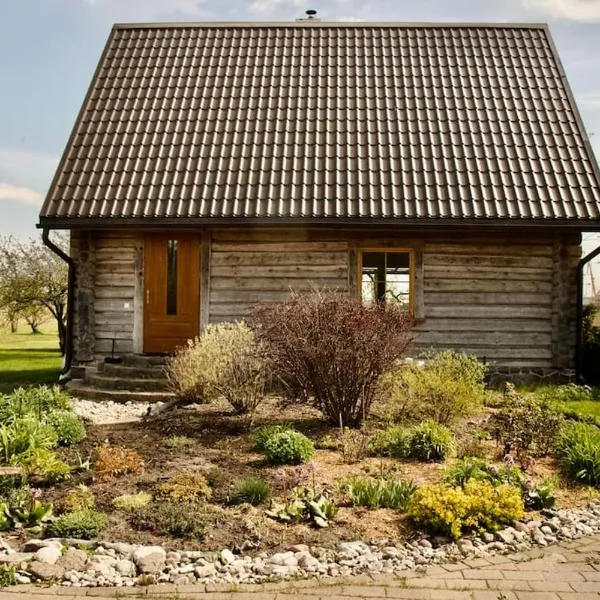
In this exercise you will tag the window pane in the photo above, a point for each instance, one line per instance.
(373, 276)
(385, 277)
(172, 277)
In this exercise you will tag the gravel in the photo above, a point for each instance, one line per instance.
(106, 412)
(123, 565)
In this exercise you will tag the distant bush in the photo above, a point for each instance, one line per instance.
(449, 386)
(185, 487)
(177, 520)
(450, 510)
(330, 350)
(252, 490)
(132, 502)
(261, 436)
(428, 441)
(84, 524)
(379, 493)
(226, 361)
(570, 392)
(114, 461)
(526, 425)
(78, 498)
(68, 426)
(288, 448)
(34, 401)
(578, 449)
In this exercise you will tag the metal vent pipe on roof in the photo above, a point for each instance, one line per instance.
(311, 15)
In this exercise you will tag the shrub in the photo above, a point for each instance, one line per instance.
(570, 392)
(68, 426)
(448, 387)
(330, 349)
(178, 441)
(84, 524)
(185, 487)
(427, 441)
(465, 470)
(390, 442)
(22, 508)
(479, 505)
(177, 520)
(24, 435)
(35, 401)
(354, 445)
(578, 449)
(252, 490)
(114, 461)
(225, 361)
(288, 448)
(44, 466)
(379, 493)
(132, 502)
(8, 575)
(265, 433)
(306, 505)
(526, 425)
(78, 498)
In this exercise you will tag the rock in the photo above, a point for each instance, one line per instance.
(538, 538)
(425, 543)
(298, 548)
(149, 559)
(287, 559)
(390, 552)
(205, 571)
(305, 560)
(487, 537)
(125, 567)
(48, 554)
(227, 556)
(45, 571)
(125, 550)
(15, 558)
(354, 549)
(22, 579)
(5, 546)
(72, 560)
(35, 545)
(545, 529)
(506, 536)
(519, 526)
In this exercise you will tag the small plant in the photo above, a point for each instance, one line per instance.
(526, 425)
(68, 426)
(36, 402)
(379, 493)
(578, 449)
(466, 469)
(84, 524)
(306, 505)
(288, 448)
(177, 520)
(539, 497)
(78, 498)
(178, 441)
(25, 435)
(449, 510)
(8, 575)
(43, 466)
(132, 502)
(22, 509)
(265, 433)
(390, 442)
(289, 478)
(185, 488)
(114, 461)
(252, 490)
(331, 349)
(429, 441)
(354, 445)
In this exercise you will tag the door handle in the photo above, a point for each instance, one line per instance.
(147, 296)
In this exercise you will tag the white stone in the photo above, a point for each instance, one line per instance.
(227, 556)
(48, 555)
(125, 567)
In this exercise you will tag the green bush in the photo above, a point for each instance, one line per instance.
(43, 466)
(252, 490)
(84, 524)
(226, 361)
(187, 488)
(177, 520)
(449, 386)
(68, 426)
(8, 575)
(526, 425)
(379, 493)
(449, 510)
(578, 449)
(22, 509)
(305, 506)
(390, 442)
(132, 502)
(265, 433)
(178, 441)
(566, 393)
(35, 401)
(330, 349)
(24, 435)
(288, 448)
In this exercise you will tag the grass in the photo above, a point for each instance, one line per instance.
(28, 359)
(581, 407)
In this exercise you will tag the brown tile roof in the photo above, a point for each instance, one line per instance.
(320, 121)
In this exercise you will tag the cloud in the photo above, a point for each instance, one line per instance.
(141, 10)
(590, 101)
(24, 195)
(27, 169)
(271, 6)
(570, 10)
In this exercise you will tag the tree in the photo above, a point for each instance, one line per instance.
(31, 277)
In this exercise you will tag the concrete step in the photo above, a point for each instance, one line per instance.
(82, 389)
(132, 372)
(103, 382)
(140, 360)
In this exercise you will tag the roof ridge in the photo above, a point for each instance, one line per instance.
(321, 24)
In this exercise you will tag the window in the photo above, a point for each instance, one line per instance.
(387, 276)
(172, 248)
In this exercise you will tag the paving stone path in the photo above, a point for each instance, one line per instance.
(565, 571)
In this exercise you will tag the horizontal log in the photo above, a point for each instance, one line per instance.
(295, 271)
(121, 347)
(276, 284)
(247, 296)
(117, 333)
(501, 262)
(468, 299)
(125, 293)
(493, 352)
(498, 311)
(280, 247)
(103, 280)
(484, 324)
(113, 304)
(513, 273)
(486, 285)
(490, 249)
(494, 339)
(278, 258)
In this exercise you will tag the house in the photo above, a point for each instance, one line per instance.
(441, 166)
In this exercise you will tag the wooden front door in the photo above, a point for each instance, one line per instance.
(171, 291)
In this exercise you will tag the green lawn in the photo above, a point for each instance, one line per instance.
(27, 359)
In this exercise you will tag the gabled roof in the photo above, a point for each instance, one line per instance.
(327, 122)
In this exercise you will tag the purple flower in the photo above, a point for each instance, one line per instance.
(279, 475)
(35, 493)
(509, 461)
(528, 485)
(493, 469)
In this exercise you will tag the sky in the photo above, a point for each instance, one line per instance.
(49, 50)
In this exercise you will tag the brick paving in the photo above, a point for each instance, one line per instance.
(566, 571)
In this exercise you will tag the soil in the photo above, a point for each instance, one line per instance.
(223, 452)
